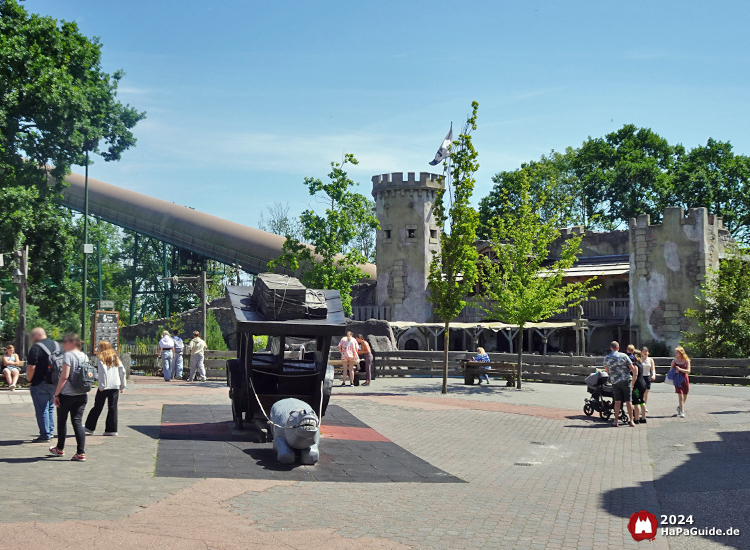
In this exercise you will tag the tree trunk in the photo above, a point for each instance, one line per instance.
(520, 356)
(446, 345)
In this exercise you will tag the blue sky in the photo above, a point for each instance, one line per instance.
(245, 98)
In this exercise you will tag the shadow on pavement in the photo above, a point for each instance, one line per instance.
(712, 486)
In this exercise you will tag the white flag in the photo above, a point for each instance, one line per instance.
(443, 153)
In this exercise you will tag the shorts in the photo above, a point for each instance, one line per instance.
(648, 382)
(622, 392)
(11, 369)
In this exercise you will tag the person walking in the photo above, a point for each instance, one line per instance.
(482, 357)
(621, 373)
(197, 349)
(681, 368)
(112, 382)
(41, 389)
(649, 372)
(630, 351)
(70, 401)
(11, 367)
(166, 354)
(179, 347)
(367, 352)
(639, 390)
(349, 357)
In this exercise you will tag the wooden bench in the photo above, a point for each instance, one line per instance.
(474, 369)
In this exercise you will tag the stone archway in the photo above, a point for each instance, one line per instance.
(413, 339)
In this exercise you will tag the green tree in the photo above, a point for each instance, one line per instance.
(331, 261)
(553, 176)
(625, 174)
(520, 284)
(56, 100)
(714, 177)
(723, 312)
(214, 337)
(453, 270)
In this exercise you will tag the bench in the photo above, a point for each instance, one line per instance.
(474, 369)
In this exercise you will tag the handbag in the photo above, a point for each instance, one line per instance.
(669, 379)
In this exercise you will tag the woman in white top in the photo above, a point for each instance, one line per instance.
(649, 371)
(166, 354)
(348, 347)
(112, 382)
(11, 370)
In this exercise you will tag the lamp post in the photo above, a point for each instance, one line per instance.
(20, 275)
(87, 248)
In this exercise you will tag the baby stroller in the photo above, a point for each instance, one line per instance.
(601, 397)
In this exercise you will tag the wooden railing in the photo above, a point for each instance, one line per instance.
(363, 313)
(150, 364)
(554, 368)
(611, 309)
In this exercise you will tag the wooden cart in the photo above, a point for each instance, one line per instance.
(257, 380)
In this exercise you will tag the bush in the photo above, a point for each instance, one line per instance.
(214, 337)
(657, 349)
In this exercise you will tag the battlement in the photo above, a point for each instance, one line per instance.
(677, 216)
(397, 180)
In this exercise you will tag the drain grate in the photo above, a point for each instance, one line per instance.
(537, 442)
(522, 464)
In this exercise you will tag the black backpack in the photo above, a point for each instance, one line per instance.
(83, 376)
(55, 363)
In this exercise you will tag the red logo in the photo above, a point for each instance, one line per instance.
(642, 526)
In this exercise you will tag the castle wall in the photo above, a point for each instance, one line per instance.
(668, 265)
(407, 237)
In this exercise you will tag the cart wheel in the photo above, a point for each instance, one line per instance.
(605, 414)
(624, 416)
(588, 410)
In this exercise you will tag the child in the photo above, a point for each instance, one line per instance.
(482, 357)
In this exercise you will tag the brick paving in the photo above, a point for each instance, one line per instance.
(539, 475)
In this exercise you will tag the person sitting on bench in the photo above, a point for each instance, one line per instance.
(11, 367)
(482, 357)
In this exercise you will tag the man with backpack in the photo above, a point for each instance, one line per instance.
(42, 389)
(76, 379)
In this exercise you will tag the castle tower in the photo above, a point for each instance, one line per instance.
(407, 237)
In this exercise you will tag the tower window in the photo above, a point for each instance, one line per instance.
(433, 233)
(411, 233)
(387, 233)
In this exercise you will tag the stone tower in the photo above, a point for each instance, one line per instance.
(668, 265)
(408, 235)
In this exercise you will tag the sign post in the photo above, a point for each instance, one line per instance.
(106, 328)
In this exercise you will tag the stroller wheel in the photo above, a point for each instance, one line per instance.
(624, 417)
(588, 410)
(605, 414)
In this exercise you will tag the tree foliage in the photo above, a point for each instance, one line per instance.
(331, 261)
(521, 283)
(630, 172)
(453, 270)
(56, 99)
(723, 312)
(276, 219)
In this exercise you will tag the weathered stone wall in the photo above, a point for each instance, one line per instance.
(192, 319)
(407, 237)
(668, 265)
(610, 243)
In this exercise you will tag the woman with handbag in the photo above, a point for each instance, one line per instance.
(680, 372)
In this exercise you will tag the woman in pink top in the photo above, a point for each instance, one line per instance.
(348, 347)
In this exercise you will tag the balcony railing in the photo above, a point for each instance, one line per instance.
(602, 309)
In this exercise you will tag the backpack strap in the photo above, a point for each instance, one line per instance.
(45, 348)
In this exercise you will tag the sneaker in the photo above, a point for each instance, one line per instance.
(203, 379)
(343, 384)
(682, 414)
(41, 440)
(643, 420)
(110, 433)
(57, 452)
(89, 432)
(679, 410)
(79, 457)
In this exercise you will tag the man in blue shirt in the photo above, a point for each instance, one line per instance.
(622, 375)
(179, 347)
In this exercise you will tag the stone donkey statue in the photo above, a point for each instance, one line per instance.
(295, 428)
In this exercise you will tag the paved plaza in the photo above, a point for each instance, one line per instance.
(524, 469)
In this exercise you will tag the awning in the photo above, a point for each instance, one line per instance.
(493, 326)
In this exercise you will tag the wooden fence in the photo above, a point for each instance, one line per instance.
(149, 364)
(554, 368)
